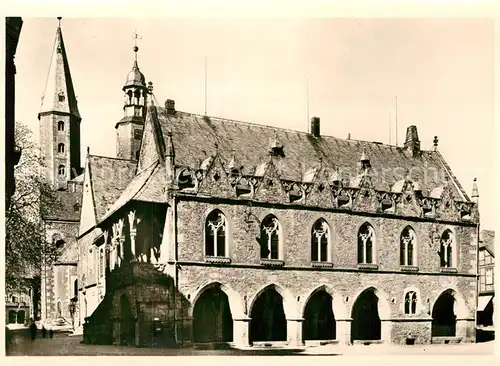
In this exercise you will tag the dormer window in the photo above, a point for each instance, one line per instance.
(185, 179)
(61, 96)
(276, 148)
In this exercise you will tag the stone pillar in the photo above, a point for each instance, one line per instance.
(241, 332)
(386, 330)
(121, 241)
(465, 329)
(117, 331)
(343, 330)
(137, 332)
(133, 233)
(294, 331)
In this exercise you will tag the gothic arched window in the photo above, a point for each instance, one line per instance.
(366, 242)
(61, 170)
(60, 126)
(407, 248)
(216, 235)
(411, 302)
(320, 237)
(60, 148)
(270, 232)
(447, 249)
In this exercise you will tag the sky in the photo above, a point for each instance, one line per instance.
(279, 72)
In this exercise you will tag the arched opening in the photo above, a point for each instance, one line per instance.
(268, 317)
(319, 241)
(319, 320)
(212, 320)
(366, 243)
(443, 316)
(21, 316)
(60, 148)
(270, 232)
(128, 324)
(61, 170)
(12, 316)
(366, 323)
(60, 126)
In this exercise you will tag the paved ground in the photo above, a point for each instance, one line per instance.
(64, 345)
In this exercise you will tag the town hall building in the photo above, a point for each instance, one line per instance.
(208, 230)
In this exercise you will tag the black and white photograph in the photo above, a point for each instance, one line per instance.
(249, 186)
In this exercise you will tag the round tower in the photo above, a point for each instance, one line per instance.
(129, 128)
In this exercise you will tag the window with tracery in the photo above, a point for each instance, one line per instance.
(366, 241)
(269, 238)
(61, 170)
(216, 234)
(447, 249)
(407, 247)
(411, 302)
(319, 241)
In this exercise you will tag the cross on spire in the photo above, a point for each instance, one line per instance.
(136, 37)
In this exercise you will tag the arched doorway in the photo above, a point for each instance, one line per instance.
(319, 320)
(21, 316)
(212, 320)
(365, 317)
(443, 316)
(128, 323)
(268, 317)
(12, 316)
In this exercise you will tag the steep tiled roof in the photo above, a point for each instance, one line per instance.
(70, 254)
(109, 177)
(68, 207)
(194, 138)
(487, 241)
(138, 186)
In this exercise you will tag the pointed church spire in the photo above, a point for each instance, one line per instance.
(475, 191)
(59, 95)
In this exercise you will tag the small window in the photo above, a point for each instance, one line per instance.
(270, 238)
(60, 148)
(489, 276)
(215, 234)
(137, 154)
(407, 247)
(59, 244)
(14, 299)
(76, 207)
(60, 126)
(61, 170)
(61, 97)
(319, 241)
(447, 250)
(137, 134)
(481, 257)
(366, 240)
(75, 288)
(411, 302)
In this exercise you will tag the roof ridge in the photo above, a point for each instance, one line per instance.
(109, 157)
(350, 140)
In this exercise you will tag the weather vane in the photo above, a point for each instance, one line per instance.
(136, 48)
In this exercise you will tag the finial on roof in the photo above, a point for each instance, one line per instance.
(88, 150)
(475, 191)
(136, 48)
(59, 20)
(232, 163)
(150, 87)
(435, 142)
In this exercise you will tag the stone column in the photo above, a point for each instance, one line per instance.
(137, 332)
(386, 330)
(294, 331)
(133, 233)
(112, 257)
(116, 331)
(465, 329)
(343, 330)
(121, 241)
(241, 332)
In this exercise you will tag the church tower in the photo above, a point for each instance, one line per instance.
(129, 128)
(60, 120)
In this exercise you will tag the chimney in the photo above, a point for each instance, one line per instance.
(412, 142)
(170, 106)
(315, 127)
